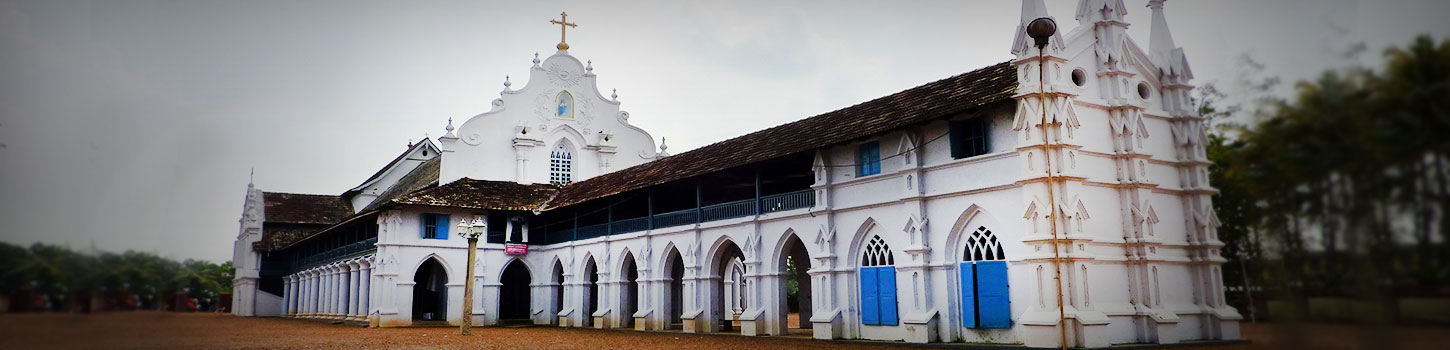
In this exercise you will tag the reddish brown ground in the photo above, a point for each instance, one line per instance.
(157, 330)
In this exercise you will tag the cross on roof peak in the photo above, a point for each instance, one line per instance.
(564, 25)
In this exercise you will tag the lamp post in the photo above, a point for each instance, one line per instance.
(470, 231)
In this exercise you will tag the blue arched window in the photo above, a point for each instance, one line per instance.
(985, 302)
(878, 284)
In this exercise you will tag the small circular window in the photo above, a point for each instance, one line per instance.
(1143, 90)
(1079, 77)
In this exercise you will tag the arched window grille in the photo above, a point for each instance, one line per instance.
(561, 165)
(985, 301)
(983, 246)
(877, 253)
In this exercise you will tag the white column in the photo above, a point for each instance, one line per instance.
(340, 301)
(354, 271)
(312, 292)
(302, 278)
(327, 292)
(296, 295)
(332, 292)
(321, 291)
(342, 291)
(365, 283)
(292, 301)
(307, 289)
(307, 293)
(336, 287)
(315, 300)
(286, 294)
(302, 294)
(288, 289)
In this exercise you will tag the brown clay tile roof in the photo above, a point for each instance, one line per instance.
(962, 93)
(423, 176)
(480, 194)
(304, 208)
(280, 235)
(390, 164)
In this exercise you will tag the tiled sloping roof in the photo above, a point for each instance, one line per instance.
(423, 176)
(297, 208)
(390, 164)
(280, 235)
(942, 98)
(480, 194)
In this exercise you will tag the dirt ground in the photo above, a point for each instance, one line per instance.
(161, 330)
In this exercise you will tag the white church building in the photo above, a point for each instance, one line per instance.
(1060, 196)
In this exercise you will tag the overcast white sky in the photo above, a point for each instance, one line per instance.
(131, 125)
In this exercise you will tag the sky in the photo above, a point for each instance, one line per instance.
(135, 125)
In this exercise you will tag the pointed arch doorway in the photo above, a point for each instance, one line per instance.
(629, 292)
(513, 298)
(591, 292)
(556, 286)
(729, 283)
(430, 292)
(795, 263)
(674, 305)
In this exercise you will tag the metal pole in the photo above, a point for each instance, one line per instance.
(1041, 31)
(1051, 199)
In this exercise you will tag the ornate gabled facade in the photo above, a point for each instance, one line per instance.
(1059, 198)
(559, 116)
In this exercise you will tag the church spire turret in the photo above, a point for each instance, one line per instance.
(1159, 39)
(1032, 9)
(1093, 11)
(1163, 51)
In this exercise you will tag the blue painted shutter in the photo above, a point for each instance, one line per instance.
(441, 231)
(870, 301)
(875, 158)
(886, 278)
(868, 160)
(969, 295)
(993, 302)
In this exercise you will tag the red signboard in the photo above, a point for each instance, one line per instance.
(515, 248)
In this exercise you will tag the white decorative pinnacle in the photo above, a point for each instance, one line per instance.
(506, 82)
(614, 94)
(449, 129)
(589, 66)
(664, 149)
(536, 60)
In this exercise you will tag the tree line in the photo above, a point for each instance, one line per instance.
(1341, 189)
(47, 277)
